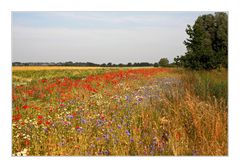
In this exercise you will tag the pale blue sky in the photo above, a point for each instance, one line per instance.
(99, 37)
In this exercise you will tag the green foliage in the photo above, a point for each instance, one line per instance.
(207, 85)
(156, 64)
(163, 62)
(177, 61)
(207, 45)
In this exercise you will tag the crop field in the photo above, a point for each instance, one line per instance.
(71, 111)
(37, 68)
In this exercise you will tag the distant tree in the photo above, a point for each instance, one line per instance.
(145, 64)
(156, 64)
(177, 61)
(163, 62)
(120, 65)
(109, 64)
(103, 65)
(16, 64)
(129, 64)
(69, 63)
(135, 64)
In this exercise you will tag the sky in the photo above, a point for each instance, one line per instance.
(99, 37)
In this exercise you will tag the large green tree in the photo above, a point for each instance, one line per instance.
(207, 45)
(163, 62)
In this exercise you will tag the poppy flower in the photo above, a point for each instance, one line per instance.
(39, 117)
(27, 142)
(47, 122)
(25, 107)
(102, 117)
(17, 117)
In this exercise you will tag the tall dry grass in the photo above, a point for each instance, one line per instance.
(196, 111)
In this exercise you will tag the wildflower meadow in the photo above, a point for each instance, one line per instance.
(119, 112)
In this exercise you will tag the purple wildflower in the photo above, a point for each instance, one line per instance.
(119, 126)
(128, 133)
(106, 152)
(69, 116)
(79, 129)
(106, 136)
(100, 123)
(83, 121)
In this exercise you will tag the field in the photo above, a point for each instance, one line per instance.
(71, 111)
(37, 68)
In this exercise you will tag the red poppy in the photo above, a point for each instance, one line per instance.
(39, 117)
(74, 114)
(47, 122)
(102, 117)
(16, 117)
(25, 107)
(27, 142)
(30, 92)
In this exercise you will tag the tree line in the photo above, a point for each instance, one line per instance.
(163, 62)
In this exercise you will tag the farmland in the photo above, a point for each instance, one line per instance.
(70, 111)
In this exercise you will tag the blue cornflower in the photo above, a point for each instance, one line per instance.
(100, 123)
(106, 152)
(69, 116)
(119, 126)
(83, 121)
(106, 136)
(128, 133)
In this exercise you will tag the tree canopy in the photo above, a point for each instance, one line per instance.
(163, 62)
(207, 45)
